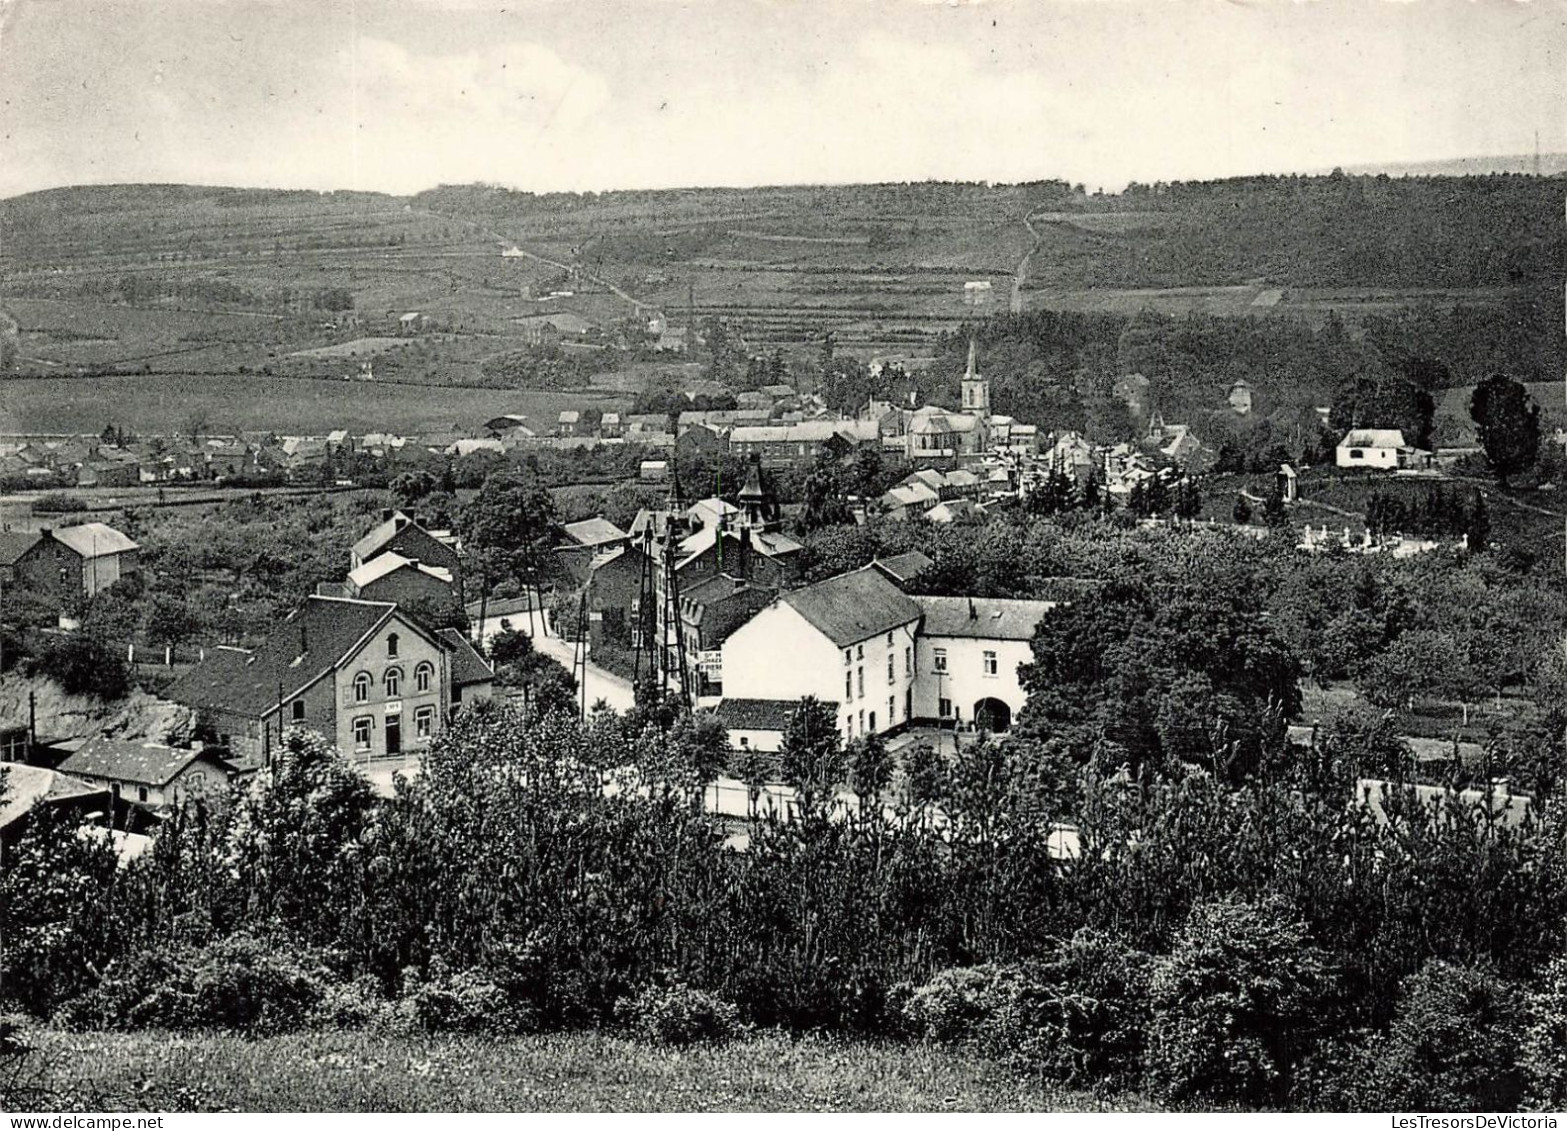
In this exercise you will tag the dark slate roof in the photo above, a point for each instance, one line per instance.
(853, 606)
(905, 567)
(468, 667)
(983, 618)
(133, 760)
(386, 533)
(501, 606)
(716, 588)
(312, 639)
(13, 544)
(759, 714)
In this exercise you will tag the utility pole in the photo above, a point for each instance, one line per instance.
(579, 659)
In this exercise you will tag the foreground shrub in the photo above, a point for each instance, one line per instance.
(1233, 1005)
(1078, 1015)
(465, 1002)
(961, 1004)
(1544, 1054)
(239, 983)
(678, 1015)
(359, 1004)
(1454, 1045)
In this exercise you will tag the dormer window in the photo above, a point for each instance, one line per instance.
(391, 646)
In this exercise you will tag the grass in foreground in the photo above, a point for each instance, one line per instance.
(559, 1072)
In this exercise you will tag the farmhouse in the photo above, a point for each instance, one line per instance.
(547, 329)
(149, 773)
(362, 673)
(968, 653)
(1381, 449)
(850, 639)
(70, 561)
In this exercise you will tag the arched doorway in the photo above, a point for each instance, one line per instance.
(992, 715)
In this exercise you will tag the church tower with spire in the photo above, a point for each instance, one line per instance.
(976, 389)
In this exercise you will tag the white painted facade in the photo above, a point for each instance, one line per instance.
(778, 654)
(955, 673)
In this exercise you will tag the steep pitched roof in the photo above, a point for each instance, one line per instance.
(372, 543)
(312, 640)
(94, 539)
(853, 606)
(15, 543)
(982, 618)
(145, 763)
(468, 667)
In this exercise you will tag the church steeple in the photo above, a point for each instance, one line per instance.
(976, 389)
(756, 500)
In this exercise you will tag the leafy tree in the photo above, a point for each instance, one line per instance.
(412, 486)
(1508, 423)
(870, 769)
(824, 497)
(508, 529)
(811, 755)
(170, 620)
(1544, 1040)
(85, 664)
(1241, 512)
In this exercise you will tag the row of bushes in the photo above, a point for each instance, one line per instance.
(265, 986)
(1211, 942)
(1241, 1011)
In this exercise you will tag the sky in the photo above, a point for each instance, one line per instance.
(544, 95)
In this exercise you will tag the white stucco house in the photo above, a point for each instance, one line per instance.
(848, 640)
(883, 659)
(1381, 449)
(967, 655)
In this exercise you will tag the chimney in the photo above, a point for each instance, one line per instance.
(399, 520)
(973, 612)
(386, 514)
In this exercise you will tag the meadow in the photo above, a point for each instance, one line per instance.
(557, 1072)
(162, 403)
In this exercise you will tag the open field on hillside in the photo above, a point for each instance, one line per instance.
(360, 1072)
(161, 403)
